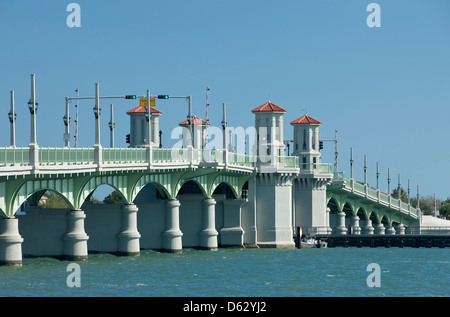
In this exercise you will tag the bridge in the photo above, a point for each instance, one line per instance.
(174, 198)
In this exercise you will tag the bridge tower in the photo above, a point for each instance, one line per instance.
(306, 140)
(273, 183)
(311, 184)
(139, 126)
(269, 132)
(199, 132)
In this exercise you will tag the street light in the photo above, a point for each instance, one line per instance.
(12, 117)
(66, 120)
(33, 110)
(97, 112)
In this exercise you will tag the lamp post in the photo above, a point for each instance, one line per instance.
(33, 106)
(12, 119)
(111, 127)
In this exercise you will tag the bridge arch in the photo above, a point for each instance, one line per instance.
(118, 182)
(62, 187)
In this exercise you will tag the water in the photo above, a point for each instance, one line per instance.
(239, 272)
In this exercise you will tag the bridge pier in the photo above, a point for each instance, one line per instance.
(10, 242)
(368, 229)
(208, 235)
(356, 229)
(172, 236)
(75, 238)
(390, 230)
(232, 234)
(341, 228)
(400, 229)
(379, 228)
(128, 237)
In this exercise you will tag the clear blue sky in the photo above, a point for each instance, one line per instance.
(386, 90)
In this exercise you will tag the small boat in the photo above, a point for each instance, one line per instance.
(312, 243)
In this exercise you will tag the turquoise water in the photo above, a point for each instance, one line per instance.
(239, 273)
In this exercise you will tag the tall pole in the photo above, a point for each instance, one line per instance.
(389, 182)
(33, 141)
(365, 169)
(351, 163)
(12, 120)
(190, 119)
(378, 178)
(97, 116)
(409, 193)
(111, 127)
(66, 123)
(149, 120)
(224, 127)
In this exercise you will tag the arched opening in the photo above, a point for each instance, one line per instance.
(151, 202)
(191, 198)
(151, 192)
(43, 222)
(104, 194)
(103, 221)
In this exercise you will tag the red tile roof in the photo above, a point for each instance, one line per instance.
(268, 106)
(306, 120)
(143, 109)
(195, 120)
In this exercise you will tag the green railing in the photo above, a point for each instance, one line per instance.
(124, 155)
(373, 193)
(241, 159)
(14, 156)
(59, 156)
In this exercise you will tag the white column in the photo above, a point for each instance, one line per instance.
(355, 225)
(128, 237)
(208, 235)
(10, 242)
(172, 236)
(400, 229)
(75, 238)
(232, 234)
(379, 228)
(340, 228)
(368, 229)
(390, 230)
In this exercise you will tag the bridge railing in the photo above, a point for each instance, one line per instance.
(14, 156)
(60, 156)
(364, 190)
(124, 155)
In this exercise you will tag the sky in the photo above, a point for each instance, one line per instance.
(386, 90)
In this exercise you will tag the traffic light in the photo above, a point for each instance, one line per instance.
(163, 96)
(320, 145)
(130, 97)
(128, 138)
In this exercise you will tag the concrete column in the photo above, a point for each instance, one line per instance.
(128, 237)
(75, 238)
(400, 229)
(368, 229)
(10, 242)
(172, 236)
(379, 228)
(390, 230)
(208, 235)
(355, 225)
(340, 227)
(232, 234)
